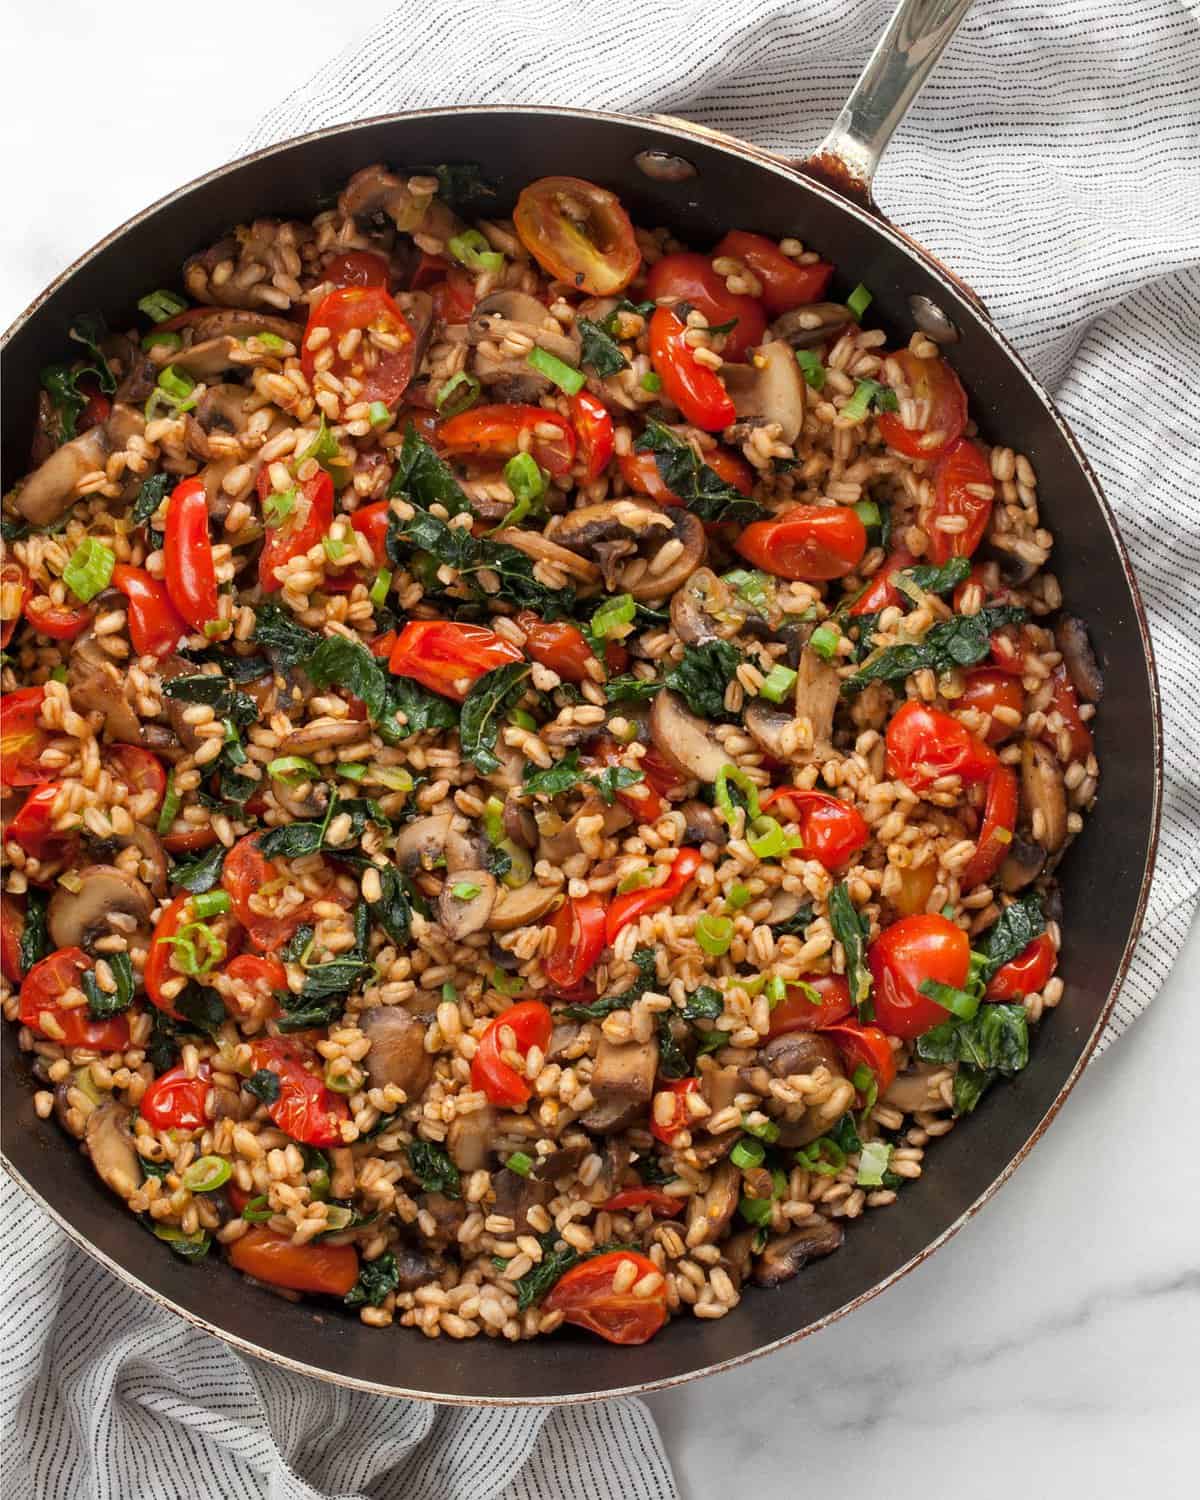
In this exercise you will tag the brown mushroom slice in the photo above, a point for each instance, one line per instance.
(321, 734)
(509, 376)
(465, 851)
(784, 906)
(686, 740)
(542, 549)
(341, 1176)
(417, 308)
(701, 825)
(77, 918)
(799, 1053)
(770, 388)
(510, 773)
(517, 908)
(1044, 796)
(374, 191)
(688, 530)
(910, 1090)
(1071, 638)
(414, 1268)
(558, 841)
(97, 685)
(704, 608)
(448, 1214)
(243, 323)
(582, 529)
(50, 491)
(716, 1207)
(516, 1195)
(397, 1054)
(152, 859)
(422, 842)
(806, 327)
(1022, 865)
(818, 689)
(622, 1083)
(222, 408)
(785, 1255)
(770, 726)
(109, 1142)
(466, 902)
(469, 1139)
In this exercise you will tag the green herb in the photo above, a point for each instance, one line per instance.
(960, 641)
(159, 306)
(103, 1005)
(264, 1085)
(201, 1008)
(940, 579)
(703, 1004)
(377, 1279)
(218, 693)
(89, 329)
(162, 1051)
(859, 300)
(700, 488)
(325, 989)
(489, 701)
(149, 498)
(850, 928)
(158, 1169)
(277, 508)
(596, 1010)
(811, 368)
(472, 250)
(868, 394)
(422, 477)
(748, 1153)
(526, 481)
(34, 942)
(90, 569)
(672, 1060)
(295, 950)
(459, 394)
(556, 370)
(186, 1246)
(461, 182)
(631, 688)
(994, 1042)
(777, 684)
(393, 910)
(703, 675)
(206, 1174)
(278, 630)
(433, 1168)
(651, 382)
(535, 1283)
(601, 352)
(960, 1003)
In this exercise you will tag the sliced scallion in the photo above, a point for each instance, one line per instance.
(756, 1210)
(90, 568)
(723, 797)
(811, 368)
(824, 641)
(859, 300)
(177, 384)
(170, 808)
(777, 684)
(873, 1163)
(470, 249)
(334, 548)
(614, 617)
(378, 591)
(523, 720)
(524, 478)
(739, 896)
(324, 447)
(210, 903)
(352, 770)
(775, 990)
(869, 514)
(277, 508)
(748, 1153)
(256, 1211)
(651, 382)
(459, 394)
(465, 890)
(638, 880)
(767, 839)
(394, 778)
(163, 339)
(271, 341)
(293, 768)
(958, 1002)
(159, 306)
(765, 1130)
(563, 375)
(378, 414)
(520, 1163)
(206, 1174)
(340, 1083)
(714, 934)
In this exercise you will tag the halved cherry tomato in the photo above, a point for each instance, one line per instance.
(661, 776)
(1066, 702)
(187, 551)
(245, 873)
(641, 473)
(357, 268)
(454, 298)
(811, 543)
(867, 1047)
(139, 769)
(43, 989)
(579, 233)
(419, 417)
(924, 743)
(696, 390)
(253, 969)
(383, 644)
(14, 592)
(832, 830)
(934, 381)
(305, 1109)
(158, 968)
(786, 283)
(300, 531)
(996, 832)
(175, 1100)
(906, 954)
(585, 1297)
(669, 1113)
(22, 740)
(632, 1200)
(594, 429)
(1027, 973)
(442, 655)
(188, 840)
(531, 1024)
(382, 373)
(154, 623)
(316, 1267)
(33, 827)
(494, 432)
(12, 926)
(960, 477)
(642, 799)
(978, 578)
(372, 522)
(798, 1011)
(557, 645)
(61, 622)
(578, 941)
(689, 277)
(986, 690)
(635, 904)
(882, 591)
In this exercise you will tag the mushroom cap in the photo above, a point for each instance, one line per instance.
(524, 905)
(460, 916)
(787, 1254)
(1044, 796)
(806, 327)
(49, 492)
(685, 740)
(109, 1142)
(397, 1054)
(769, 388)
(423, 841)
(76, 918)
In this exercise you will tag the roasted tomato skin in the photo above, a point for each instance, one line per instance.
(934, 381)
(1028, 973)
(786, 283)
(809, 543)
(586, 1297)
(578, 941)
(442, 654)
(690, 277)
(696, 390)
(330, 1270)
(531, 1024)
(579, 233)
(363, 308)
(797, 1011)
(902, 957)
(924, 744)
(961, 477)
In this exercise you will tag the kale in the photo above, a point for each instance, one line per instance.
(940, 578)
(461, 182)
(568, 773)
(376, 1279)
(90, 330)
(700, 488)
(162, 1051)
(614, 779)
(845, 1135)
(703, 675)
(994, 1043)
(201, 1008)
(294, 949)
(434, 1169)
(263, 1085)
(279, 632)
(236, 668)
(703, 1004)
(556, 1261)
(295, 840)
(202, 873)
(970, 1085)
(364, 810)
(62, 381)
(631, 688)
(159, 1169)
(220, 695)
(101, 1004)
(425, 479)
(866, 625)
(34, 942)
(652, 1172)
(960, 641)
(421, 710)
(149, 498)
(489, 700)
(796, 925)
(601, 352)
(1018, 925)
(596, 1010)
(393, 910)
(351, 665)
(498, 862)
(185, 1246)
(672, 1060)
(850, 928)
(321, 1000)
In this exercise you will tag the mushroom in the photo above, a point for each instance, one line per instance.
(818, 688)
(563, 841)
(417, 308)
(784, 906)
(242, 323)
(1022, 865)
(374, 193)
(787, 1254)
(321, 734)
(715, 1208)
(448, 1214)
(50, 491)
(542, 549)
(397, 1054)
(466, 902)
(770, 726)
(77, 918)
(910, 1090)
(208, 360)
(519, 824)
(152, 858)
(176, 708)
(686, 740)
(1071, 638)
(524, 905)
(794, 1053)
(109, 1143)
(422, 842)
(511, 377)
(770, 388)
(704, 608)
(516, 1195)
(469, 1139)
(563, 1040)
(641, 527)
(560, 1163)
(341, 1177)
(97, 685)
(701, 824)
(806, 327)
(414, 1268)
(622, 1083)
(1044, 796)
(509, 774)
(222, 408)
(465, 851)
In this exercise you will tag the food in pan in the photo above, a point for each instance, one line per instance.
(534, 758)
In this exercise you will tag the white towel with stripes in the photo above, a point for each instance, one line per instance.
(1054, 161)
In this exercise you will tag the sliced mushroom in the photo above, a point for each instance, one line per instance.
(152, 858)
(770, 726)
(910, 1090)
(542, 549)
(211, 359)
(341, 1177)
(563, 1040)
(374, 193)
(77, 918)
(423, 842)
(702, 825)
(448, 1214)
(704, 608)
(510, 376)
(716, 1207)
(787, 1254)
(176, 709)
(799, 1053)
(1044, 796)
(520, 824)
(417, 308)
(465, 852)
(109, 1142)
(96, 685)
(686, 740)
(466, 902)
(414, 1268)
(770, 388)
(524, 905)
(1022, 865)
(516, 1195)
(560, 1163)
(614, 520)
(50, 491)
(469, 1139)
(1071, 638)
(243, 323)
(784, 906)
(222, 408)
(818, 688)
(397, 1054)
(806, 327)
(622, 1083)
(321, 734)
(559, 841)
(610, 530)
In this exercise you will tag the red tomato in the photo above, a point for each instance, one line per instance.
(187, 551)
(924, 743)
(959, 475)
(881, 591)
(579, 233)
(140, 770)
(578, 941)
(690, 278)
(640, 472)
(305, 1109)
(996, 832)
(661, 776)
(978, 577)
(61, 622)
(454, 298)
(557, 645)
(585, 1297)
(158, 968)
(14, 592)
(531, 1024)
(444, 654)
(670, 1117)
(632, 1200)
(357, 268)
(188, 840)
(96, 408)
(697, 391)
(382, 372)
(798, 1011)
(866, 1047)
(635, 904)
(494, 432)
(12, 925)
(154, 624)
(256, 971)
(424, 421)
(33, 826)
(987, 689)
(175, 1101)
(832, 830)
(934, 381)
(786, 283)
(430, 270)
(1066, 701)
(315, 1267)
(643, 798)
(811, 543)
(372, 522)
(21, 739)
(1027, 973)
(300, 531)
(906, 954)
(244, 874)
(72, 1026)
(594, 430)
(383, 644)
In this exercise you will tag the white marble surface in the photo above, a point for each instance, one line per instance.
(1049, 1350)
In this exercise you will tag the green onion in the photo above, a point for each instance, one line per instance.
(493, 820)
(873, 1163)
(187, 942)
(714, 934)
(524, 478)
(768, 1131)
(779, 1183)
(958, 1002)
(256, 1211)
(340, 1083)
(335, 548)
(277, 508)
(394, 778)
(614, 617)
(468, 389)
(523, 720)
(507, 984)
(777, 683)
(756, 588)
(823, 1156)
(337, 1216)
(449, 992)
(295, 768)
(824, 641)
(163, 340)
(775, 990)
(564, 376)
(324, 447)
(90, 568)
(651, 381)
(178, 385)
(170, 808)
(811, 368)
(520, 1163)
(59, 674)
(724, 797)
(810, 992)
(748, 1153)
(206, 1174)
(378, 414)
(352, 770)
(471, 250)
(636, 881)
(378, 591)
(869, 514)
(465, 890)
(756, 1210)
(270, 341)
(767, 839)
(859, 300)
(210, 903)
(159, 306)
(859, 404)
(186, 1246)
(739, 896)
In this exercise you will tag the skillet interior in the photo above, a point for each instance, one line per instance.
(1104, 875)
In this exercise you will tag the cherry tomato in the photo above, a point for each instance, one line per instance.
(382, 371)
(811, 543)
(632, 1200)
(696, 390)
(642, 799)
(256, 971)
(924, 743)
(245, 873)
(372, 522)
(443, 655)
(661, 776)
(96, 408)
(14, 592)
(140, 770)
(786, 283)
(531, 1024)
(22, 740)
(430, 270)
(798, 1011)
(421, 418)
(585, 1297)
(1066, 702)
(635, 904)
(298, 532)
(960, 477)
(175, 1101)
(45, 985)
(594, 430)
(315, 1267)
(61, 622)
(305, 1109)
(864, 1047)
(996, 832)
(187, 550)
(12, 926)
(357, 268)
(882, 591)
(578, 941)
(986, 690)
(669, 1113)
(641, 473)
(832, 830)
(689, 277)
(934, 381)
(154, 624)
(1027, 973)
(494, 432)
(578, 233)
(33, 827)
(187, 840)
(158, 968)
(979, 578)
(383, 644)
(906, 954)
(557, 645)
(454, 298)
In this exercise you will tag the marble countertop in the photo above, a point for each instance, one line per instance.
(1050, 1348)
